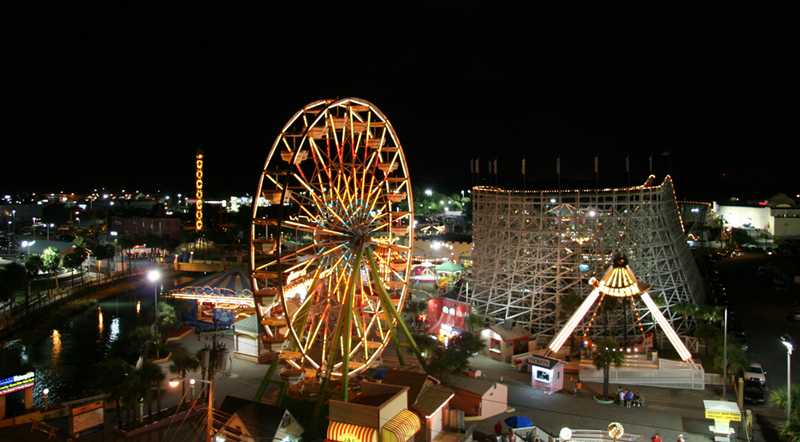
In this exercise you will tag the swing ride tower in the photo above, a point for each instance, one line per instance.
(536, 250)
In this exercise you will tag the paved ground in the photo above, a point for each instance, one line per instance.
(667, 411)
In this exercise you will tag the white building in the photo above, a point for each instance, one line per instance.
(779, 216)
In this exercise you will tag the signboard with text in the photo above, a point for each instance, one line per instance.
(16, 383)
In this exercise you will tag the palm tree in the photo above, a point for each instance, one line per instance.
(112, 375)
(607, 353)
(132, 390)
(183, 362)
(737, 358)
(152, 376)
(777, 398)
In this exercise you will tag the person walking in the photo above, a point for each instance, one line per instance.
(578, 386)
(656, 438)
(680, 438)
(621, 397)
(629, 399)
(498, 428)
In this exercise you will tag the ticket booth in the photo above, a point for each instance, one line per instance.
(547, 374)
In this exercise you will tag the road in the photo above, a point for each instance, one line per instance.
(762, 311)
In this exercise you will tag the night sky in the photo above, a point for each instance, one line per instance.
(121, 94)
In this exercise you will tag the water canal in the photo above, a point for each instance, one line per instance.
(64, 351)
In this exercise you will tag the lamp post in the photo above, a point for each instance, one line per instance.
(154, 276)
(724, 352)
(48, 230)
(210, 410)
(45, 393)
(786, 340)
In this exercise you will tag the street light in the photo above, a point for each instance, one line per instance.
(45, 392)
(154, 275)
(49, 226)
(428, 192)
(786, 340)
(209, 412)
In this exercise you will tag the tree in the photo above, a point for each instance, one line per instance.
(777, 398)
(152, 376)
(74, 260)
(51, 259)
(182, 363)
(132, 390)
(34, 264)
(13, 278)
(167, 319)
(737, 358)
(112, 375)
(455, 357)
(103, 252)
(606, 354)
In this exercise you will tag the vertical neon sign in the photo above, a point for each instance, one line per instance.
(198, 214)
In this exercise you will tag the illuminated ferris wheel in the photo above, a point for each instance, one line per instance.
(331, 238)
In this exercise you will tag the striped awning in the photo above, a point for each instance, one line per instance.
(342, 432)
(401, 428)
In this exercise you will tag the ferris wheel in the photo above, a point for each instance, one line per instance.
(331, 239)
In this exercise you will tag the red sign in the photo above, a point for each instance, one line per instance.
(446, 311)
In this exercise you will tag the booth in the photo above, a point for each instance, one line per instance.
(378, 409)
(723, 413)
(12, 384)
(547, 374)
(446, 318)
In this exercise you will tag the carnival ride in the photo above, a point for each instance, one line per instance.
(330, 242)
(536, 249)
(619, 282)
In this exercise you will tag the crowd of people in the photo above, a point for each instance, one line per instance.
(629, 398)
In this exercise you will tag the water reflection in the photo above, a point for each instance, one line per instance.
(114, 330)
(64, 358)
(56, 351)
(100, 321)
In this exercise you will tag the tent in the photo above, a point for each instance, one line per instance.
(518, 422)
(449, 267)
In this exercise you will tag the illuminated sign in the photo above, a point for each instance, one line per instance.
(16, 383)
(198, 214)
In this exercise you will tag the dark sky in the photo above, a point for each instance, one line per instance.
(118, 93)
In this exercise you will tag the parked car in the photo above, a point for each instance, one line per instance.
(754, 392)
(756, 372)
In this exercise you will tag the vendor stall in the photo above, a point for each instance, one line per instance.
(547, 374)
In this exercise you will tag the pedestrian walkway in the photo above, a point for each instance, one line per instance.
(668, 411)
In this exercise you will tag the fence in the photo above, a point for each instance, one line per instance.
(669, 374)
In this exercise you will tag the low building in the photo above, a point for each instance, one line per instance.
(139, 226)
(479, 398)
(376, 409)
(502, 343)
(780, 216)
(251, 421)
(429, 400)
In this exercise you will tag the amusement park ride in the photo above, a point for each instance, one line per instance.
(330, 245)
